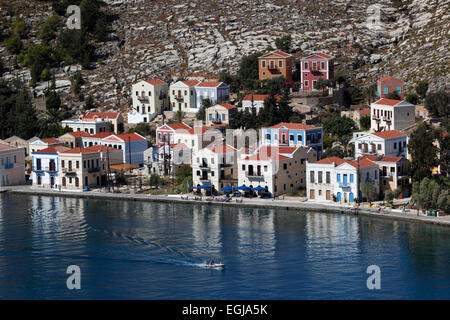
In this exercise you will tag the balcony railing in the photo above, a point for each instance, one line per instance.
(68, 170)
(179, 98)
(255, 177)
(143, 98)
(46, 168)
(344, 185)
(376, 117)
(93, 169)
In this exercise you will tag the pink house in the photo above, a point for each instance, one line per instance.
(166, 132)
(390, 84)
(314, 67)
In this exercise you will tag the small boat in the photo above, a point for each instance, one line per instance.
(214, 265)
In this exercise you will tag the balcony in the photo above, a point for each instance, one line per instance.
(387, 119)
(179, 98)
(388, 174)
(7, 166)
(46, 168)
(274, 70)
(142, 98)
(217, 121)
(344, 185)
(255, 177)
(68, 170)
(90, 170)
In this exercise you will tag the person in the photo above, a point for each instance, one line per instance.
(212, 262)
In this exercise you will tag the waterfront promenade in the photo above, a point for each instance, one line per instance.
(287, 204)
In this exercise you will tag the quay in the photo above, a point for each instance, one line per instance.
(410, 215)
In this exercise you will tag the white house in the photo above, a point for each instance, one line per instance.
(278, 169)
(338, 177)
(45, 166)
(388, 114)
(182, 96)
(132, 145)
(256, 101)
(150, 98)
(212, 90)
(215, 165)
(388, 143)
(165, 160)
(40, 144)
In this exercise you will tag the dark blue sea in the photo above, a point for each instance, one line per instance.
(138, 250)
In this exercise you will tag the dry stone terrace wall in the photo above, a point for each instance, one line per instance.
(158, 38)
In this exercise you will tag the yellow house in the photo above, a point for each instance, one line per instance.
(220, 114)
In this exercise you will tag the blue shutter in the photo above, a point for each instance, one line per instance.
(399, 89)
(385, 90)
(338, 177)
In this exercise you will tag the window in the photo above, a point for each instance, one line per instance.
(137, 93)
(185, 92)
(399, 89)
(379, 146)
(223, 117)
(351, 177)
(322, 65)
(306, 83)
(306, 65)
(338, 177)
(319, 178)
(385, 90)
(280, 63)
(198, 173)
(243, 167)
(265, 168)
(212, 173)
(395, 145)
(284, 166)
(311, 176)
(263, 63)
(62, 163)
(328, 179)
(210, 116)
(291, 137)
(359, 146)
(77, 164)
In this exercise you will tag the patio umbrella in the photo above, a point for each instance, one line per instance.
(191, 188)
(243, 187)
(259, 188)
(205, 186)
(227, 188)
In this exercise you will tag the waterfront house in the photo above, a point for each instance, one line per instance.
(41, 144)
(388, 143)
(392, 172)
(314, 67)
(17, 142)
(337, 178)
(165, 160)
(215, 91)
(132, 145)
(150, 98)
(215, 165)
(12, 165)
(182, 96)
(388, 84)
(275, 64)
(80, 168)
(220, 114)
(389, 114)
(166, 132)
(73, 139)
(279, 169)
(293, 134)
(45, 166)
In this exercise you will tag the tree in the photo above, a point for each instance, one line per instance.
(19, 28)
(201, 113)
(78, 82)
(339, 126)
(333, 152)
(89, 103)
(422, 151)
(155, 180)
(432, 194)
(421, 89)
(23, 116)
(284, 108)
(14, 45)
(438, 104)
(412, 98)
(268, 114)
(369, 192)
(48, 31)
(248, 68)
(53, 101)
(284, 43)
(340, 77)
(321, 84)
(143, 129)
(394, 95)
(178, 116)
(389, 196)
(364, 122)
(183, 172)
(370, 92)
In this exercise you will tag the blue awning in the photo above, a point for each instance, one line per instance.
(227, 188)
(205, 186)
(259, 188)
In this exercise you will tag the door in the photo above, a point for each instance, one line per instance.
(351, 197)
(328, 195)
(345, 180)
(339, 196)
(311, 194)
(52, 181)
(64, 181)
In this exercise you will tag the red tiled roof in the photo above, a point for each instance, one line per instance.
(55, 150)
(270, 152)
(227, 106)
(382, 158)
(338, 161)
(256, 97)
(209, 84)
(5, 147)
(387, 102)
(101, 135)
(100, 148)
(179, 146)
(131, 136)
(363, 162)
(197, 130)
(103, 115)
(293, 126)
(191, 83)
(79, 150)
(364, 112)
(50, 140)
(277, 52)
(156, 82)
(78, 134)
(388, 134)
(320, 55)
(222, 148)
(178, 125)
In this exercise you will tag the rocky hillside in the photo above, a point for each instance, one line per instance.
(165, 38)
